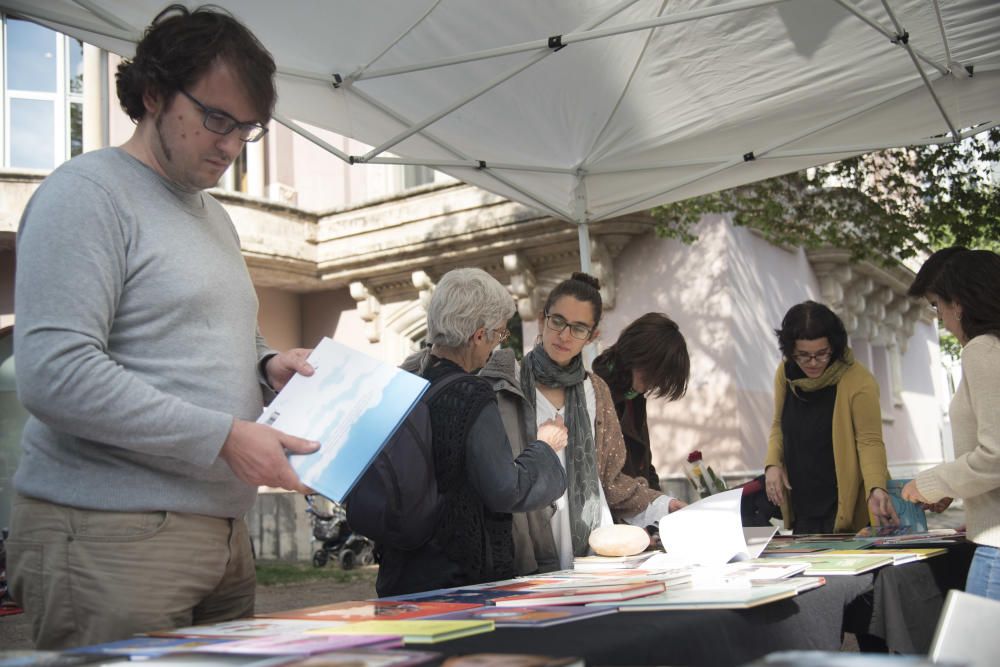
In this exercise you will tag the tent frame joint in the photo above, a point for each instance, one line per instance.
(556, 43)
(901, 38)
(338, 80)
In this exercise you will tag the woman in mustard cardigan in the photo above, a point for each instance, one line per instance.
(826, 464)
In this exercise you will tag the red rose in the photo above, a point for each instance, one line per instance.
(694, 456)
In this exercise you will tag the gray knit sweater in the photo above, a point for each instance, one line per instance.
(974, 475)
(135, 342)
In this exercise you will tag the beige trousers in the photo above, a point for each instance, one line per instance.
(86, 577)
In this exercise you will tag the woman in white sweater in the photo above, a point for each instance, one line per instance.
(964, 287)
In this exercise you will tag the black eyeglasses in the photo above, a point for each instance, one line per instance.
(821, 357)
(222, 123)
(558, 324)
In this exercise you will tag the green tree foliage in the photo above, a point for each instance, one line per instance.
(893, 203)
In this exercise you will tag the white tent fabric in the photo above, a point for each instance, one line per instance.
(590, 109)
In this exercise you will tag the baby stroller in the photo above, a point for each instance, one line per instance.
(337, 540)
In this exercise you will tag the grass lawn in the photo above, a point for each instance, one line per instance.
(276, 572)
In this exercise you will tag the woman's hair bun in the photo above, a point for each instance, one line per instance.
(587, 279)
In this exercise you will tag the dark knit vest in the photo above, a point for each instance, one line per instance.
(478, 540)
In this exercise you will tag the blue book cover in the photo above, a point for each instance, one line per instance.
(149, 646)
(351, 405)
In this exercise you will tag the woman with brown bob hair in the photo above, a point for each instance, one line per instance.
(650, 358)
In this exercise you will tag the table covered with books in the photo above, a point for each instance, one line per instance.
(801, 595)
(717, 637)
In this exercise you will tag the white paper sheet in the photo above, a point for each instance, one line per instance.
(708, 532)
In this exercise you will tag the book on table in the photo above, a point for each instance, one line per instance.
(813, 544)
(843, 564)
(510, 660)
(904, 537)
(759, 571)
(303, 645)
(528, 617)
(899, 556)
(370, 658)
(139, 647)
(600, 563)
(581, 595)
(467, 596)
(732, 597)
(39, 658)
(427, 631)
(575, 579)
(371, 610)
(202, 660)
(249, 627)
(352, 404)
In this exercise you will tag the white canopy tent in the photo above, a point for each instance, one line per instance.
(590, 109)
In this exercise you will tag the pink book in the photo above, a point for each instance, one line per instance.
(285, 645)
(583, 595)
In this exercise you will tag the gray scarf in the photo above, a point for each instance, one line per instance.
(584, 491)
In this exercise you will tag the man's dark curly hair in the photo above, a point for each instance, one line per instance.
(179, 47)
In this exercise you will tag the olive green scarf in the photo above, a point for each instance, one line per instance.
(830, 376)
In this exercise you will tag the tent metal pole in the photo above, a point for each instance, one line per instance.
(107, 16)
(944, 35)
(433, 118)
(353, 76)
(306, 134)
(533, 199)
(580, 218)
(923, 75)
(784, 142)
(486, 54)
(472, 164)
(656, 165)
(599, 136)
(514, 71)
(869, 148)
(579, 36)
(583, 233)
(799, 152)
(888, 34)
(37, 10)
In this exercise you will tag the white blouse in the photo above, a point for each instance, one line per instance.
(544, 411)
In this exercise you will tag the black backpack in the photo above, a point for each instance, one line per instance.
(396, 502)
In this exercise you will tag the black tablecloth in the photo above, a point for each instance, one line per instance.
(811, 620)
(906, 600)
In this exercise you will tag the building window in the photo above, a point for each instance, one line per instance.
(235, 179)
(43, 95)
(416, 175)
(881, 368)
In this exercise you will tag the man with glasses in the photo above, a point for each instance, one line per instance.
(139, 360)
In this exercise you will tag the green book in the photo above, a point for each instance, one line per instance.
(414, 632)
(826, 563)
(732, 597)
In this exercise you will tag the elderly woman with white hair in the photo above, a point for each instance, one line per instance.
(481, 482)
